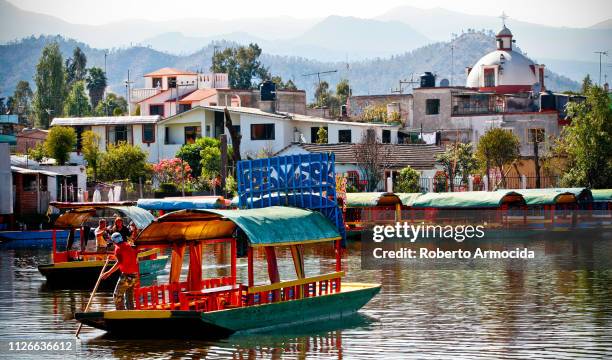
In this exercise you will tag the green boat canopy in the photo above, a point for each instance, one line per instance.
(408, 199)
(602, 195)
(368, 199)
(468, 199)
(79, 214)
(271, 226)
(553, 195)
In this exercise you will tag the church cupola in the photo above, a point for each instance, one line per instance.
(504, 39)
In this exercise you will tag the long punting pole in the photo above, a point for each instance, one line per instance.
(93, 292)
(251, 275)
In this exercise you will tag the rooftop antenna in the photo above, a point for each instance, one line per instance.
(605, 53)
(128, 85)
(400, 89)
(452, 62)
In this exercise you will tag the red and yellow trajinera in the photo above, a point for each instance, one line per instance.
(218, 307)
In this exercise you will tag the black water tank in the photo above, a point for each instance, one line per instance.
(547, 102)
(428, 80)
(267, 90)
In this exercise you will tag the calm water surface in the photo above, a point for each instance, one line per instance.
(419, 314)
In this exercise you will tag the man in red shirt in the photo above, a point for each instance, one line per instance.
(127, 262)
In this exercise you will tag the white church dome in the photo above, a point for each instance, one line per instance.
(516, 69)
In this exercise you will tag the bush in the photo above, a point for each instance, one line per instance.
(60, 143)
(408, 181)
(124, 161)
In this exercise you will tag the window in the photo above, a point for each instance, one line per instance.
(386, 136)
(262, 131)
(537, 134)
(119, 133)
(432, 106)
(166, 135)
(156, 109)
(344, 136)
(489, 77)
(314, 133)
(184, 107)
(208, 131)
(157, 82)
(148, 133)
(79, 133)
(171, 82)
(237, 128)
(192, 133)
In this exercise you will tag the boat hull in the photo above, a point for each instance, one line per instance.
(219, 324)
(84, 274)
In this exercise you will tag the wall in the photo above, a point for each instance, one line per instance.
(6, 179)
(431, 122)
(357, 104)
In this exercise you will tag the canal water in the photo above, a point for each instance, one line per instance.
(419, 313)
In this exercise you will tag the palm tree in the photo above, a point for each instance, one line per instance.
(96, 84)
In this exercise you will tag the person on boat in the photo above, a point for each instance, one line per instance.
(127, 263)
(120, 228)
(133, 231)
(102, 236)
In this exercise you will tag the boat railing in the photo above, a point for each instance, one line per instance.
(294, 289)
(172, 296)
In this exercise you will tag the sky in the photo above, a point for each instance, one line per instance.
(569, 13)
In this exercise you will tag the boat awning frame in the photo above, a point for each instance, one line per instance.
(78, 214)
(270, 226)
(468, 199)
(369, 199)
(173, 204)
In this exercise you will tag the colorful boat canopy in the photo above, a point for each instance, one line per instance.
(78, 215)
(468, 199)
(408, 198)
(602, 194)
(368, 199)
(553, 195)
(173, 204)
(270, 226)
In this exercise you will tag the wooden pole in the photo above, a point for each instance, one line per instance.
(93, 292)
(223, 162)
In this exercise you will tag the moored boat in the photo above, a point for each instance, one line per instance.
(217, 307)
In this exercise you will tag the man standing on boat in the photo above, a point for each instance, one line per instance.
(127, 262)
(102, 236)
(118, 227)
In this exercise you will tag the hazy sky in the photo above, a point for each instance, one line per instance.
(570, 13)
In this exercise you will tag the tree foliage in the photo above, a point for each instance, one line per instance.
(280, 85)
(111, 105)
(77, 103)
(343, 91)
(408, 181)
(242, 65)
(124, 162)
(373, 113)
(76, 67)
(498, 147)
(96, 84)
(372, 157)
(21, 103)
(203, 156)
(321, 135)
(90, 146)
(458, 161)
(587, 83)
(50, 81)
(587, 141)
(59, 143)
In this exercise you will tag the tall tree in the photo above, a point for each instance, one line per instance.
(124, 161)
(587, 141)
(22, 102)
(50, 81)
(242, 65)
(112, 104)
(77, 103)
(76, 66)
(322, 94)
(96, 84)
(586, 84)
(499, 147)
(457, 161)
(343, 91)
(91, 152)
(60, 142)
(372, 157)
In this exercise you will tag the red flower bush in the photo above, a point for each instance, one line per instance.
(172, 171)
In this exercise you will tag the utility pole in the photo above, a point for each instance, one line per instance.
(128, 85)
(104, 94)
(600, 54)
(452, 63)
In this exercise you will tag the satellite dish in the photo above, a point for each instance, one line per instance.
(444, 83)
(536, 88)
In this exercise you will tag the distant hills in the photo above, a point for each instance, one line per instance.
(375, 76)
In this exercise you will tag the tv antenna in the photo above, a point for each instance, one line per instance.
(400, 89)
(604, 53)
(319, 73)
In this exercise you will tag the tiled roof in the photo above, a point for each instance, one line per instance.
(170, 71)
(419, 157)
(106, 120)
(198, 95)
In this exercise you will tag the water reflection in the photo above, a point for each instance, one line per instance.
(422, 314)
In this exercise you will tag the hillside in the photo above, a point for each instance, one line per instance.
(18, 61)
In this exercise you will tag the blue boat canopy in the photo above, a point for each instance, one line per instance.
(270, 226)
(173, 204)
(80, 213)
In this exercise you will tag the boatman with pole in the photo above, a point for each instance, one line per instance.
(127, 263)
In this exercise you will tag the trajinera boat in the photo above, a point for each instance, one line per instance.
(80, 268)
(217, 307)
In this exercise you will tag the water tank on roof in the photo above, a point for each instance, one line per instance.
(428, 80)
(444, 83)
(267, 89)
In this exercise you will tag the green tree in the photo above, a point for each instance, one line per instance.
(76, 67)
(498, 147)
(59, 143)
(343, 91)
(322, 94)
(321, 135)
(587, 83)
(374, 113)
(91, 152)
(110, 104)
(96, 84)
(289, 85)
(587, 141)
(458, 161)
(21, 103)
(408, 181)
(124, 162)
(50, 81)
(77, 103)
(242, 66)
(37, 153)
(203, 156)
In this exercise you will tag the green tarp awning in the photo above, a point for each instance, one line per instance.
(602, 194)
(469, 199)
(367, 199)
(551, 196)
(271, 226)
(408, 199)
